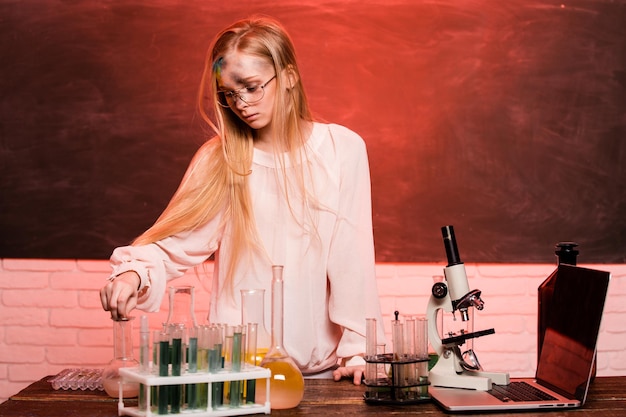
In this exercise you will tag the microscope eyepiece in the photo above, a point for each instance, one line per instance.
(449, 242)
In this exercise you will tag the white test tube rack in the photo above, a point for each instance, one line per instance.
(151, 380)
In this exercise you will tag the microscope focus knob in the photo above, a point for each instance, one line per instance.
(440, 290)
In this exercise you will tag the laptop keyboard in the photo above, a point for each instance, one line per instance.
(519, 391)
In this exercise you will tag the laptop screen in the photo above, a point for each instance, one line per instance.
(572, 327)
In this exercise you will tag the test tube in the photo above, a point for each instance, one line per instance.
(164, 360)
(228, 352)
(202, 393)
(177, 358)
(144, 345)
(409, 338)
(421, 350)
(398, 368)
(244, 344)
(251, 344)
(235, 395)
(156, 339)
(144, 359)
(228, 347)
(192, 350)
(192, 367)
(397, 334)
(421, 337)
(370, 350)
(216, 363)
(410, 352)
(215, 350)
(203, 348)
(250, 358)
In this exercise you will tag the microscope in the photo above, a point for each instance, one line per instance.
(452, 369)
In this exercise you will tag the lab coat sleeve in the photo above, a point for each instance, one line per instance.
(351, 265)
(160, 262)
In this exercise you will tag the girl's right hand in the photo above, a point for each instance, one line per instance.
(119, 296)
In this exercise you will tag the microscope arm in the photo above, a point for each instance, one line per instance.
(440, 300)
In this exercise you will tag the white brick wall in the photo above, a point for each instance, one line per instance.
(51, 318)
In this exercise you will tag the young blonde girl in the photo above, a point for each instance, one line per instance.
(272, 186)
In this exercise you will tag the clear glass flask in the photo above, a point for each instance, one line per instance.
(286, 381)
(181, 309)
(122, 358)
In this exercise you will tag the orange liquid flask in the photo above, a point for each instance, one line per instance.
(286, 382)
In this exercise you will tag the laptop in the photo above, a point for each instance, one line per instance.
(564, 368)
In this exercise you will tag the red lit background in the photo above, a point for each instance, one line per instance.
(505, 119)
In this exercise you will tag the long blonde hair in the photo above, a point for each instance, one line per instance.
(216, 180)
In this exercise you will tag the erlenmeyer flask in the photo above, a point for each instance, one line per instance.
(181, 311)
(123, 357)
(253, 311)
(286, 381)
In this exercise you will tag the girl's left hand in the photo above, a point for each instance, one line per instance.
(356, 372)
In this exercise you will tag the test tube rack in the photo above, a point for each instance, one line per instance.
(150, 380)
(403, 384)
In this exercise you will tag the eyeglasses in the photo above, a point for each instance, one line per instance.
(248, 95)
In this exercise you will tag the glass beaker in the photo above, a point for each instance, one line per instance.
(253, 311)
(122, 358)
(286, 381)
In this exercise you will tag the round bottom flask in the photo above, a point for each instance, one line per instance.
(286, 382)
(123, 357)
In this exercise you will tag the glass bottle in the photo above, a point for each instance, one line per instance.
(253, 311)
(566, 253)
(286, 381)
(123, 357)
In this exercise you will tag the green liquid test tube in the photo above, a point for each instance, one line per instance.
(215, 364)
(155, 368)
(177, 358)
(192, 363)
(164, 360)
(236, 386)
(192, 367)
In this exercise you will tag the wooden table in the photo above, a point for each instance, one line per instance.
(607, 398)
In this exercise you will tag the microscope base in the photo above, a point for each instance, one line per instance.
(444, 374)
(460, 381)
(480, 381)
